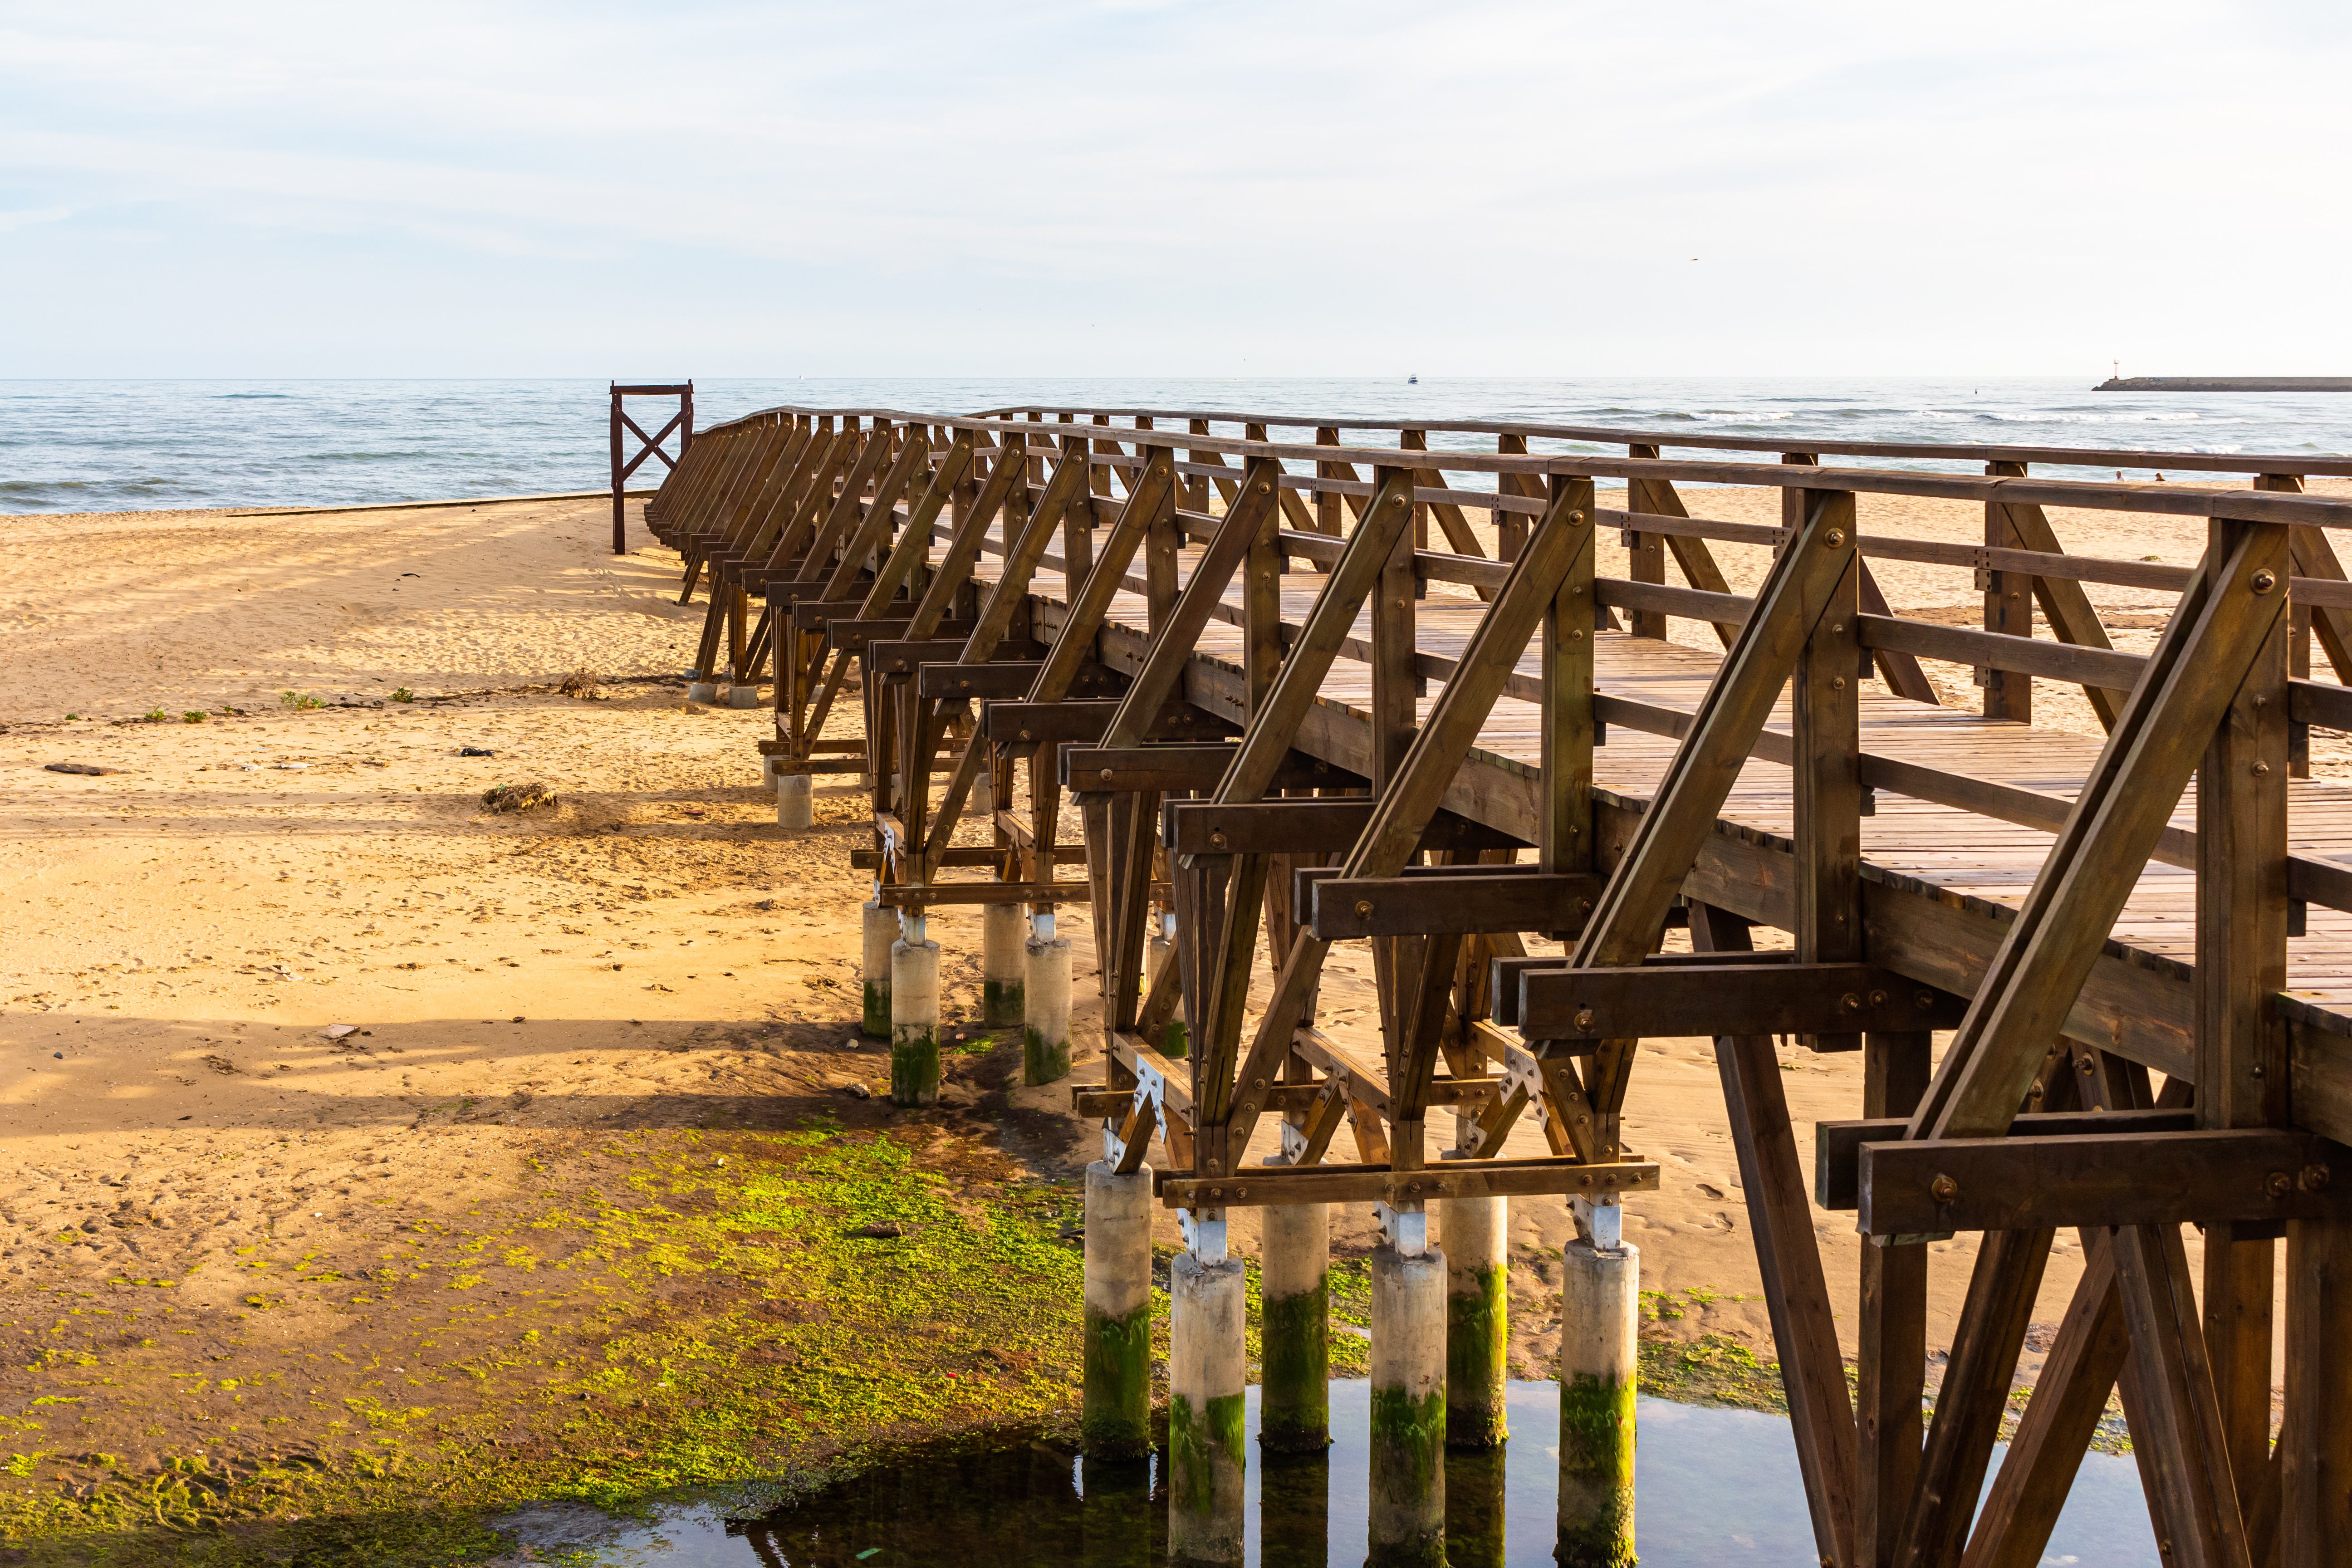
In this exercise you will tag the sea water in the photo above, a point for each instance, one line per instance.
(114, 446)
(1713, 1487)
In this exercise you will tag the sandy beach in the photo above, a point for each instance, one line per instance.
(327, 1087)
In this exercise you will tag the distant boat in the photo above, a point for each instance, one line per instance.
(1413, 381)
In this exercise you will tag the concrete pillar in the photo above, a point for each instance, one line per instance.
(1207, 1368)
(744, 696)
(767, 772)
(1598, 1361)
(1294, 1281)
(795, 802)
(1116, 1417)
(1045, 1006)
(1476, 1232)
(914, 1015)
(1408, 1448)
(1175, 1040)
(702, 692)
(1002, 965)
(879, 928)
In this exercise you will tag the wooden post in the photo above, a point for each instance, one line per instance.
(2315, 1442)
(2241, 1045)
(1645, 558)
(2008, 609)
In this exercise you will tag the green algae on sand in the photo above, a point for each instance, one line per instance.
(757, 1305)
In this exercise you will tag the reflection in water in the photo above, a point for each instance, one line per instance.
(1716, 1487)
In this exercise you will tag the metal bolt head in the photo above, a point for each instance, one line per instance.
(2263, 580)
(1216, 840)
(1878, 998)
(2260, 768)
(1851, 1001)
(1835, 538)
(2312, 1178)
(1927, 998)
(1106, 775)
(2278, 1183)
(1944, 1189)
(1363, 907)
(1584, 1019)
(1576, 517)
(1263, 486)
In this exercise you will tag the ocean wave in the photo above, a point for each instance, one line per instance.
(226, 397)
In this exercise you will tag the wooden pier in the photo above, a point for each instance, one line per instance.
(1289, 681)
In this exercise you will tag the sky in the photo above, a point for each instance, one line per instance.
(1166, 187)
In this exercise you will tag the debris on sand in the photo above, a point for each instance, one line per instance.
(476, 751)
(517, 797)
(337, 1031)
(581, 684)
(91, 768)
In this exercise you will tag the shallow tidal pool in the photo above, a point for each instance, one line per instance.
(1714, 1487)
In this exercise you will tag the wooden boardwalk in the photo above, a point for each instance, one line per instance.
(1286, 718)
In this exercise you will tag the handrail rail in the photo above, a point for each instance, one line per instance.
(2339, 465)
(2257, 506)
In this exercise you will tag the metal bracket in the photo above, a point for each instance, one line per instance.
(1205, 1233)
(1406, 1229)
(1601, 1221)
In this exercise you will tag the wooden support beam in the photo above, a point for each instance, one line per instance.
(1975, 1392)
(1484, 899)
(1652, 1002)
(1921, 1186)
(1305, 827)
(2187, 1447)
(1383, 1183)
(1411, 800)
(1891, 1360)
(2315, 1440)
(2089, 1350)
(1173, 643)
(1186, 766)
(1796, 1292)
(1837, 1145)
(2201, 659)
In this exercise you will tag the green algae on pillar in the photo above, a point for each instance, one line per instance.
(1114, 1419)
(1175, 1040)
(1045, 1021)
(879, 930)
(1476, 1482)
(1208, 1313)
(914, 1017)
(1003, 965)
(1294, 1330)
(1477, 1319)
(1407, 1525)
(1598, 1375)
